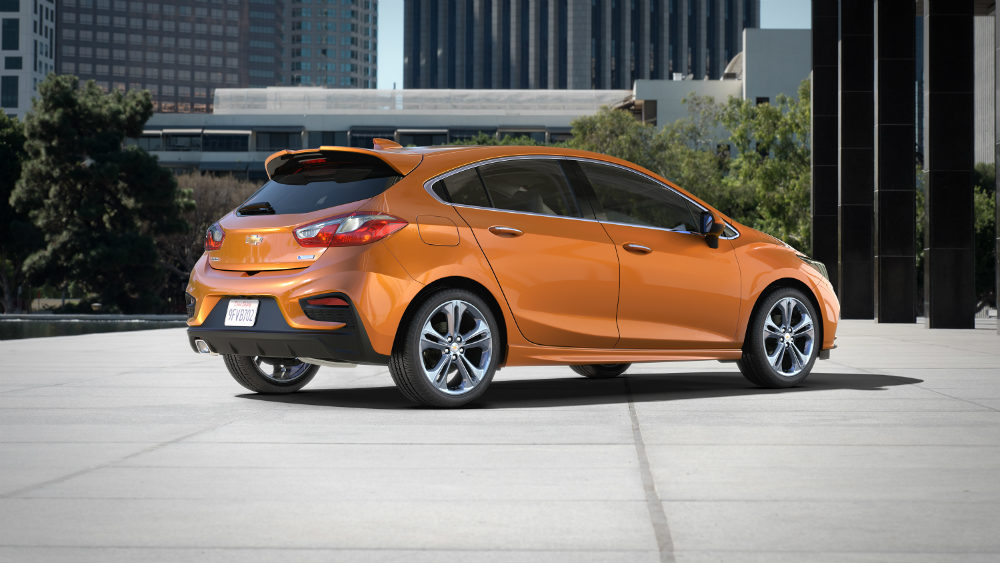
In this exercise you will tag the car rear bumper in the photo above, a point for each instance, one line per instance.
(271, 336)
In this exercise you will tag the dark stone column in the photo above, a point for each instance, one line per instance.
(949, 281)
(857, 160)
(824, 135)
(895, 180)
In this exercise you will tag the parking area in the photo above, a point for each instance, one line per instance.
(129, 447)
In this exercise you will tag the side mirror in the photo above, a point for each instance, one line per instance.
(711, 228)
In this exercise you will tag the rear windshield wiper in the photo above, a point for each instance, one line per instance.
(262, 208)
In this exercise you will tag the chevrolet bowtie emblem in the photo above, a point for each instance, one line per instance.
(254, 239)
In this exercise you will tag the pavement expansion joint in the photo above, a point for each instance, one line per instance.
(657, 517)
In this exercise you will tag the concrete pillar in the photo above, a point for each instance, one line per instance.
(700, 41)
(949, 270)
(856, 160)
(534, 46)
(825, 227)
(578, 54)
(444, 29)
(644, 43)
(463, 50)
(895, 179)
(557, 66)
(428, 59)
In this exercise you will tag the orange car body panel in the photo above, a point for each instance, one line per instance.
(568, 292)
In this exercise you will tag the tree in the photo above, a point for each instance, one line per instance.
(18, 236)
(771, 161)
(98, 204)
(482, 139)
(211, 198)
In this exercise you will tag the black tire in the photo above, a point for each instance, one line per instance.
(249, 371)
(600, 371)
(782, 356)
(414, 358)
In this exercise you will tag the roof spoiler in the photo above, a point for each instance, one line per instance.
(285, 162)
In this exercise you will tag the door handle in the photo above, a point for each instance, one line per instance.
(501, 231)
(637, 248)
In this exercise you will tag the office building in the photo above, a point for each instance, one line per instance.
(181, 50)
(27, 46)
(573, 44)
(332, 43)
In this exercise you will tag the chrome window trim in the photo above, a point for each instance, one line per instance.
(429, 184)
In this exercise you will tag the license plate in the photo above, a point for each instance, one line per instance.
(241, 312)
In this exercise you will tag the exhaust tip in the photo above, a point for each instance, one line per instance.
(202, 346)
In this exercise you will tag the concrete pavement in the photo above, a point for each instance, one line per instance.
(129, 447)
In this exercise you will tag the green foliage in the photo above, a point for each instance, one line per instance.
(750, 161)
(482, 139)
(18, 236)
(771, 162)
(617, 133)
(984, 208)
(98, 204)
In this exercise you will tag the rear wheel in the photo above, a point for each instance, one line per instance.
(600, 371)
(270, 375)
(781, 345)
(448, 353)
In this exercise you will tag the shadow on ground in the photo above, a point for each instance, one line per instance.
(569, 391)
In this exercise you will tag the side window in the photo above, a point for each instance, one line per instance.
(463, 188)
(628, 197)
(531, 185)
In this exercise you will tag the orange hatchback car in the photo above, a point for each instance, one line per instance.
(447, 263)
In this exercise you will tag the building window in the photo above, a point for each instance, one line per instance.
(11, 29)
(8, 92)
(278, 141)
(12, 63)
(10, 6)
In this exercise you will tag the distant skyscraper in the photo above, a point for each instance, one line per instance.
(181, 50)
(27, 51)
(333, 43)
(577, 44)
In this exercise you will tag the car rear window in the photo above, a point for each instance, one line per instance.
(319, 183)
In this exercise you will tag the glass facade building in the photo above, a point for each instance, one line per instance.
(182, 50)
(569, 44)
(332, 43)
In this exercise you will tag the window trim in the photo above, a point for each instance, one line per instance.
(429, 184)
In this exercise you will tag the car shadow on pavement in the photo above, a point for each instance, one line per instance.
(574, 391)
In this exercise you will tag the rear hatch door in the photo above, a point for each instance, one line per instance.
(304, 186)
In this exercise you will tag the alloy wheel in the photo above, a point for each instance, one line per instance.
(456, 346)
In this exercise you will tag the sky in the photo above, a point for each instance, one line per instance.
(774, 14)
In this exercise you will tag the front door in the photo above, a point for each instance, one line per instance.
(675, 291)
(558, 273)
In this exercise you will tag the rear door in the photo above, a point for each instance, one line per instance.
(559, 273)
(676, 292)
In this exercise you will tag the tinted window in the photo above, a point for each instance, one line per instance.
(627, 197)
(307, 183)
(464, 188)
(532, 185)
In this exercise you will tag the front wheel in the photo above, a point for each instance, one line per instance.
(270, 375)
(448, 351)
(782, 340)
(600, 371)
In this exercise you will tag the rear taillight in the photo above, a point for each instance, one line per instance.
(213, 237)
(360, 227)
